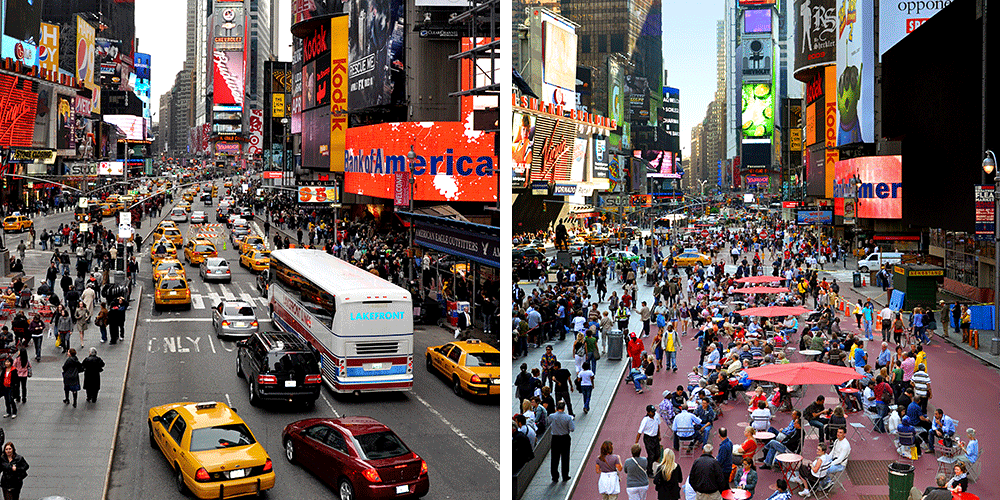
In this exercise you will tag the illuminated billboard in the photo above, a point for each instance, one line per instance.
(48, 47)
(229, 77)
(661, 163)
(881, 193)
(898, 19)
(757, 21)
(132, 126)
(752, 3)
(523, 137)
(20, 31)
(811, 217)
(815, 33)
(855, 72)
(758, 112)
(375, 52)
(616, 89)
(111, 168)
(558, 61)
(758, 58)
(452, 163)
(17, 122)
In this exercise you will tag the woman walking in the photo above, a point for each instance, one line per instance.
(101, 321)
(64, 326)
(10, 385)
(636, 480)
(608, 466)
(15, 469)
(37, 329)
(668, 478)
(82, 320)
(71, 376)
(23, 367)
(92, 365)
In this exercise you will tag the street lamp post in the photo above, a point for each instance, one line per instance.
(989, 165)
(410, 156)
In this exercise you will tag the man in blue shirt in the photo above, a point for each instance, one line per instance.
(943, 427)
(860, 359)
(884, 356)
(684, 426)
(725, 456)
(782, 494)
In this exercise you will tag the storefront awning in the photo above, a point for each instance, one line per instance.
(475, 242)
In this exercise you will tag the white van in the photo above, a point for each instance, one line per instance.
(876, 260)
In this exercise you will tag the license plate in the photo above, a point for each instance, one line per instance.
(240, 324)
(289, 383)
(237, 473)
(173, 293)
(402, 490)
(377, 366)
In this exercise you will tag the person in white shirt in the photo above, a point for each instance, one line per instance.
(649, 432)
(886, 316)
(840, 452)
(760, 418)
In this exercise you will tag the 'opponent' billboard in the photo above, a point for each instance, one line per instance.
(451, 163)
(898, 19)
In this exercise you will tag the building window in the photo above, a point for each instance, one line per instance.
(602, 43)
(586, 44)
(617, 43)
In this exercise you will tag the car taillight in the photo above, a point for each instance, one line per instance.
(254, 324)
(314, 379)
(423, 467)
(476, 380)
(267, 379)
(267, 465)
(187, 292)
(201, 475)
(227, 271)
(225, 323)
(371, 475)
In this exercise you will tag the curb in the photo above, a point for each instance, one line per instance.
(121, 398)
(604, 416)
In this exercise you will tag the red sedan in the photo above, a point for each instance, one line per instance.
(359, 456)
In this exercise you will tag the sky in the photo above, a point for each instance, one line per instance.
(689, 57)
(160, 27)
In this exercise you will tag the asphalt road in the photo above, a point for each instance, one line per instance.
(178, 358)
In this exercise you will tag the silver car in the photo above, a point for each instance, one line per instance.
(234, 317)
(178, 215)
(198, 217)
(240, 229)
(216, 268)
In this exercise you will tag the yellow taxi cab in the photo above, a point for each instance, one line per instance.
(168, 266)
(171, 233)
(169, 251)
(596, 239)
(171, 290)
(249, 242)
(228, 184)
(686, 259)
(197, 250)
(167, 223)
(185, 206)
(17, 223)
(470, 366)
(108, 209)
(210, 449)
(256, 259)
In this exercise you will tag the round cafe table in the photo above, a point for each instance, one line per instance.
(788, 463)
(736, 494)
(954, 496)
(845, 396)
(762, 437)
(810, 352)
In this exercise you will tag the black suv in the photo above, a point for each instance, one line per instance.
(206, 198)
(279, 366)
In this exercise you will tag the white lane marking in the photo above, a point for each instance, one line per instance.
(226, 293)
(214, 299)
(223, 344)
(327, 401)
(211, 342)
(208, 288)
(197, 301)
(170, 320)
(458, 432)
(246, 298)
(46, 379)
(229, 402)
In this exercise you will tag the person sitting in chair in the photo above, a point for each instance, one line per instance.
(814, 471)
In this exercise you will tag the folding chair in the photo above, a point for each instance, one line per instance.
(816, 486)
(829, 487)
(857, 430)
(976, 468)
(904, 442)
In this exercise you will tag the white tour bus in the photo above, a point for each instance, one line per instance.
(361, 325)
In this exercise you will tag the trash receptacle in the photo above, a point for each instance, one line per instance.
(900, 481)
(995, 347)
(615, 345)
(857, 279)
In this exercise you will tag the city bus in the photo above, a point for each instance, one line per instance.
(360, 325)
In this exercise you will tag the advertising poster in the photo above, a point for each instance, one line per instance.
(141, 63)
(523, 137)
(616, 96)
(84, 52)
(132, 126)
(898, 19)
(757, 21)
(985, 212)
(17, 122)
(452, 163)
(375, 51)
(811, 217)
(64, 122)
(316, 139)
(579, 157)
(322, 84)
(256, 132)
(559, 58)
(113, 63)
(309, 85)
(230, 29)
(881, 193)
(20, 31)
(758, 112)
(616, 173)
(600, 158)
(758, 57)
(661, 163)
(815, 33)
(339, 97)
(855, 73)
(48, 47)
(552, 150)
(228, 80)
(304, 10)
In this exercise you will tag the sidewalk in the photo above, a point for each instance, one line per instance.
(69, 449)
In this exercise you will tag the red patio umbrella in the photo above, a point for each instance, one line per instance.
(760, 279)
(770, 312)
(761, 289)
(803, 373)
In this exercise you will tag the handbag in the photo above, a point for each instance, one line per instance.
(597, 353)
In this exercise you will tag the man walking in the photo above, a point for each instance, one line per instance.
(562, 425)
(649, 431)
(707, 478)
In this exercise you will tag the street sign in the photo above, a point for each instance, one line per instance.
(124, 230)
(985, 212)
(84, 227)
(125, 217)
